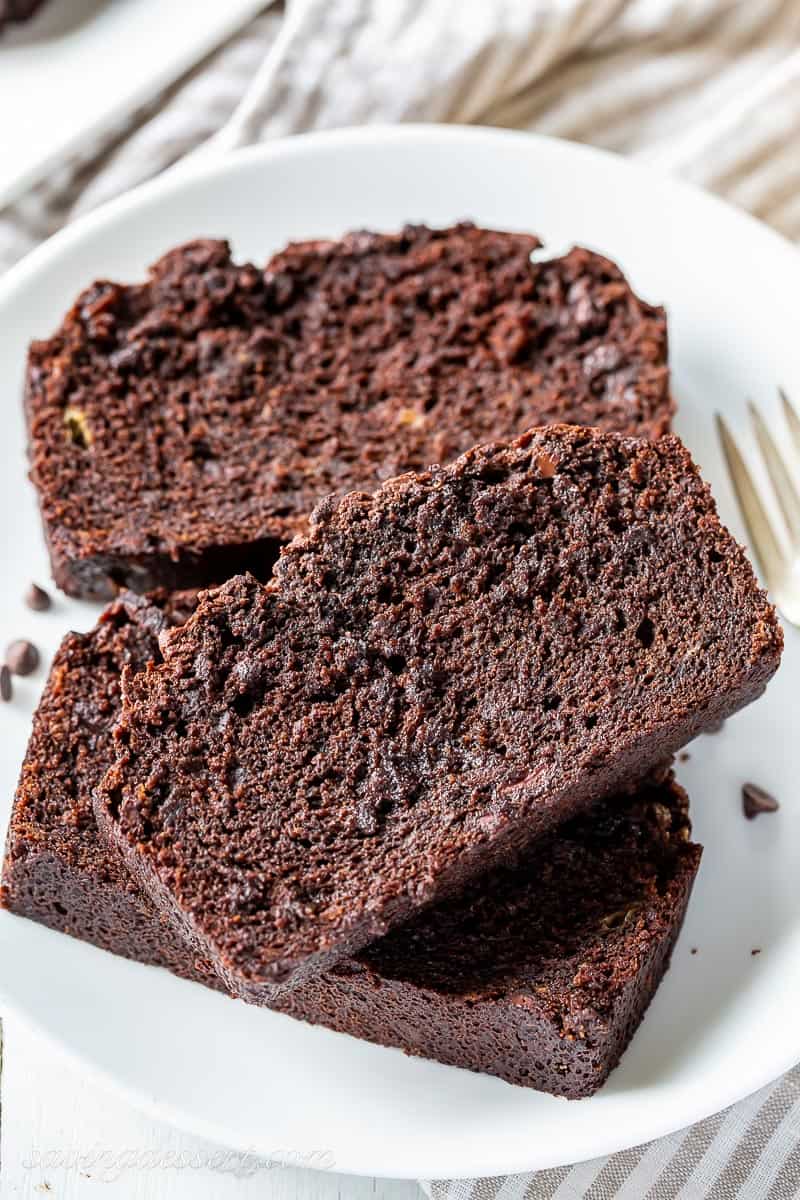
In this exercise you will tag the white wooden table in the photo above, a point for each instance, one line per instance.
(61, 1135)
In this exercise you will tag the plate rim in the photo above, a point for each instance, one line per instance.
(207, 164)
(204, 168)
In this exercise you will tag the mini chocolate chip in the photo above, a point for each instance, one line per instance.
(693, 950)
(5, 683)
(756, 951)
(756, 801)
(37, 598)
(22, 657)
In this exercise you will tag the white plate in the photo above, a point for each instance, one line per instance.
(724, 1022)
(80, 63)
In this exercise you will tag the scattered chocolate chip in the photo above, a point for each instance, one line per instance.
(37, 598)
(756, 801)
(5, 683)
(693, 950)
(22, 657)
(756, 951)
(684, 756)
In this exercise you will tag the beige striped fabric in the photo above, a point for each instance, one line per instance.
(749, 1152)
(709, 89)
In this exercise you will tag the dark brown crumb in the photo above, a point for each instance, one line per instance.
(37, 598)
(693, 950)
(22, 657)
(684, 756)
(755, 951)
(6, 688)
(54, 869)
(756, 801)
(435, 676)
(539, 974)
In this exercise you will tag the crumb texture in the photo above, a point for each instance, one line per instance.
(55, 870)
(539, 974)
(436, 675)
(182, 428)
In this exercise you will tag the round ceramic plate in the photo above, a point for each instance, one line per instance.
(724, 1021)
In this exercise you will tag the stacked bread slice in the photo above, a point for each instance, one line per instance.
(416, 786)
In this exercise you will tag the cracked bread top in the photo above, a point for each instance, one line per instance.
(181, 427)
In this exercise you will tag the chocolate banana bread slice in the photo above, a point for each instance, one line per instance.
(434, 677)
(539, 974)
(55, 870)
(181, 429)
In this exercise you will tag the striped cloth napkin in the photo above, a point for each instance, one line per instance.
(748, 1152)
(706, 88)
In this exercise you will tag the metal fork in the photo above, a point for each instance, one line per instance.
(778, 557)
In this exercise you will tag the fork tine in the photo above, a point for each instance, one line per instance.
(792, 419)
(762, 538)
(785, 490)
